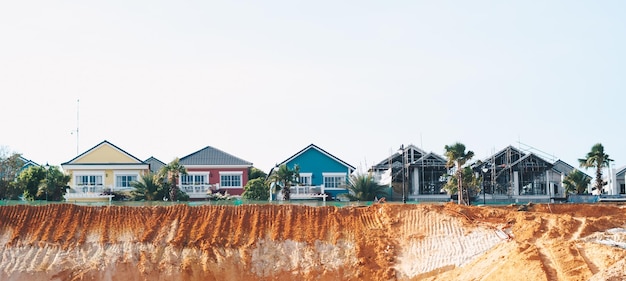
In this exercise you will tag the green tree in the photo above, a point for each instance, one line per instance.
(576, 182)
(55, 184)
(471, 183)
(181, 195)
(10, 165)
(172, 172)
(255, 173)
(457, 157)
(363, 187)
(284, 178)
(598, 159)
(30, 181)
(148, 188)
(256, 189)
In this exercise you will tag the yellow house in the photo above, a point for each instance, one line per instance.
(103, 169)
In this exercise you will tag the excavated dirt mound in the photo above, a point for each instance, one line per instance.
(289, 242)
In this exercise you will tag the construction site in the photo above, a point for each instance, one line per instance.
(294, 242)
(517, 175)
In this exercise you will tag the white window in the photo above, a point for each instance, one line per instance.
(88, 183)
(123, 181)
(230, 180)
(193, 179)
(305, 179)
(89, 180)
(334, 180)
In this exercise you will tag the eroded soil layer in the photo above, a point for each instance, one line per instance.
(290, 242)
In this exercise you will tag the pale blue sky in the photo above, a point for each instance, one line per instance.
(263, 79)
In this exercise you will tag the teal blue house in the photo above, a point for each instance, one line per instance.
(322, 175)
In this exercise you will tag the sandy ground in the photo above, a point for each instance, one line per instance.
(288, 242)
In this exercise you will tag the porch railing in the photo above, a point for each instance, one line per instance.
(307, 189)
(198, 188)
(92, 188)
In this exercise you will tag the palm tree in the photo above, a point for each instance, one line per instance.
(172, 172)
(148, 188)
(471, 183)
(457, 157)
(285, 177)
(596, 158)
(576, 182)
(363, 187)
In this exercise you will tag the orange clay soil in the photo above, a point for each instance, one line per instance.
(289, 242)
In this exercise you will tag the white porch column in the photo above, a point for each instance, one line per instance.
(548, 187)
(516, 183)
(613, 184)
(416, 180)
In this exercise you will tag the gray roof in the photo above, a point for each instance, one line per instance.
(563, 167)
(211, 156)
(155, 164)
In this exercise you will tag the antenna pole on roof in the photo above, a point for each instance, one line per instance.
(77, 119)
(77, 123)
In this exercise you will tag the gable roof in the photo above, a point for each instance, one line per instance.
(565, 169)
(103, 143)
(313, 146)
(211, 156)
(155, 164)
(620, 171)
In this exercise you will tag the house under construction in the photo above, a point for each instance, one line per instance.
(510, 175)
(424, 174)
(618, 186)
(523, 176)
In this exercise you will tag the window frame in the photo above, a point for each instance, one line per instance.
(238, 174)
(337, 185)
(117, 180)
(308, 177)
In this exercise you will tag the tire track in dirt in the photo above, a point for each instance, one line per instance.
(547, 260)
(436, 241)
(562, 260)
(582, 223)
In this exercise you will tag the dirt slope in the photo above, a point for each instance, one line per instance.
(288, 242)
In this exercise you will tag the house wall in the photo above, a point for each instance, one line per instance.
(620, 182)
(315, 162)
(214, 176)
(108, 175)
(555, 185)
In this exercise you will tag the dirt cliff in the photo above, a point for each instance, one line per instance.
(290, 242)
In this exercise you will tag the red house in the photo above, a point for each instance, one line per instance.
(210, 169)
